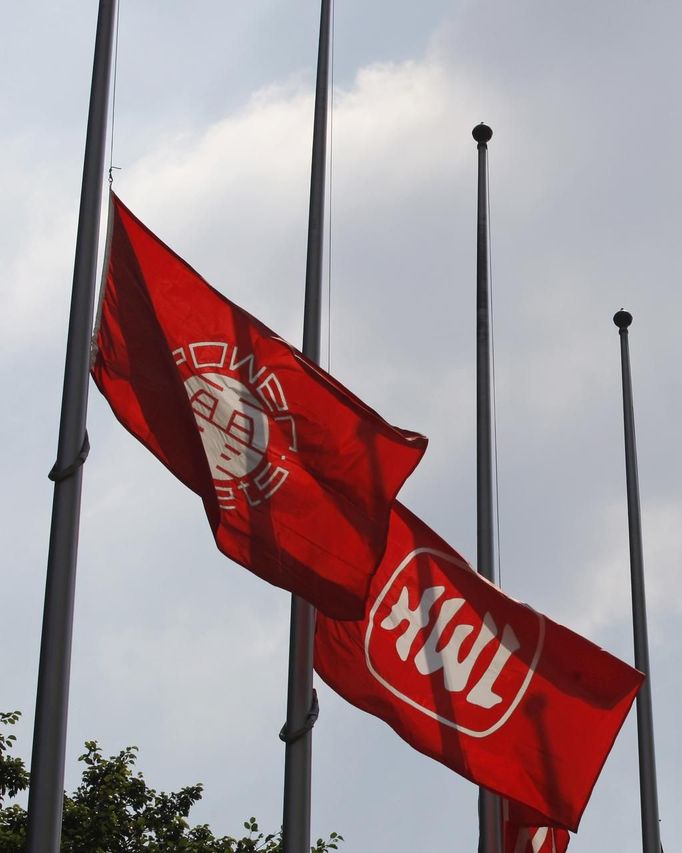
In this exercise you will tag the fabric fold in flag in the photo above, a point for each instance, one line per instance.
(519, 838)
(482, 683)
(297, 475)
(535, 839)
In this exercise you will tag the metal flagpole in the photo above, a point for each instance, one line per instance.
(46, 790)
(301, 699)
(489, 811)
(651, 842)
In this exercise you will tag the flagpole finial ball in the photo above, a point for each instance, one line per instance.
(482, 133)
(622, 318)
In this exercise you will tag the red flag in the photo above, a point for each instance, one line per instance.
(535, 839)
(297, 475)
(518, 837)
(476, 680)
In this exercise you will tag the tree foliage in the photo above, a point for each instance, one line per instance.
(113, 810)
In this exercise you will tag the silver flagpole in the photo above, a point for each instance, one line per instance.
(489, 811)
(46, 790)
(651, 841)
(301, 700)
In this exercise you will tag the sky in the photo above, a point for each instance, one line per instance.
(183, 653)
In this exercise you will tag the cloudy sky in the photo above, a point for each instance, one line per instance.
(181, 652)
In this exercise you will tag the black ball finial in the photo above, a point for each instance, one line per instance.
(482, 133)
(622, 318)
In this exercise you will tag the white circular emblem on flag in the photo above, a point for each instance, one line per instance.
(243, 419)
(232, 422)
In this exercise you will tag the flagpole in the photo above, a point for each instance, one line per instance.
(651, 842)
(46, 789)
(301, 699)
(489, 811)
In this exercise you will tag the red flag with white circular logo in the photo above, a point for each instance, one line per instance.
(297, 475)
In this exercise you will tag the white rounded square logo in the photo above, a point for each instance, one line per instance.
(441, 639)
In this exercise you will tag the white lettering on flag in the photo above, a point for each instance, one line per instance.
(249, 360)
(444, 647)
(432, 658)
(416, 619)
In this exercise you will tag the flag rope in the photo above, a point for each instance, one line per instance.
(330, 183)
(494, 395)
(59, 474)
(311, 719)
(113, 100)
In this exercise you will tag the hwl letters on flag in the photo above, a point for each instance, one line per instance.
(297, 475)
(478, 681)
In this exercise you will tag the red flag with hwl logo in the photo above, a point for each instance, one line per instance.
(476, 680)
(297, 475)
